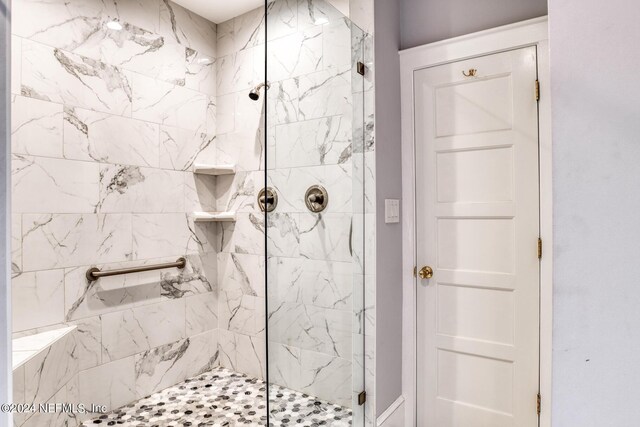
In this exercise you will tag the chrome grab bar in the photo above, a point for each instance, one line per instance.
(95, 273)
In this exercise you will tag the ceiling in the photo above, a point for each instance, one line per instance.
(220, 10)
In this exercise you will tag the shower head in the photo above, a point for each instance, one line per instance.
(255, 92)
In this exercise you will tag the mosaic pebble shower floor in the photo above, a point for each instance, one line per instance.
(225, 398)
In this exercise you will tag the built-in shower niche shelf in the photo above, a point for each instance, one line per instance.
(214, 216)
(215, 170)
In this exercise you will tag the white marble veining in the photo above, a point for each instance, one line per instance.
(137, 189)
(37, 299)
(50, 369)
(201, 72)
(295, 55)
(63, 77)
(36, 127)
(166, 365)
(180, 148)
(325, 236)
(67, 240)
(89, 342)
(105, 138)
(201, 313)
(325, 93)
(185, 27)
(128, 332)
(168, 104)
(62, 186)
(111, 384)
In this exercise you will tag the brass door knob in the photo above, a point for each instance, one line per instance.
(426, 272)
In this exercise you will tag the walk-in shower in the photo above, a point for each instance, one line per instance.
(182, 253)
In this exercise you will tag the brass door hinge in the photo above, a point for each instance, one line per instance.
(537, 90)
(538, 403)
(362, 398)
(360, 68)
(539, 248)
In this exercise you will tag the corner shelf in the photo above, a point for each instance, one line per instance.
(214, 216)
(215, 170)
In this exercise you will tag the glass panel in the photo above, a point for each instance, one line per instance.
(315, 234)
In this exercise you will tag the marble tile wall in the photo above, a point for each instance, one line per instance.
(112, 104)
(314, 123)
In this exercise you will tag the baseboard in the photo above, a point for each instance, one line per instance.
(394, 415)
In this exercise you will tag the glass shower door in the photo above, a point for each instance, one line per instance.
(314, 203)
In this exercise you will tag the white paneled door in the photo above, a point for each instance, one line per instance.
(476, 130)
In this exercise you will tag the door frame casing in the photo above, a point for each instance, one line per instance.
(533, 32)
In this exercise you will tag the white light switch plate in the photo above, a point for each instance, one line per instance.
(391, 211)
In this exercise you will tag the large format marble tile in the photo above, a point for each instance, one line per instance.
(249, 29)
(201, 72)
(282, 104)
(251, 355)
(312, 328)
(320, 283)
(295, 55)
(240, 237)
(316, 12)
(225, 113)
(237, 312)
(38, 299)
(128, 332)
(94, 136)
(55, 241)
(135, 49)
(59, 23)
(244, 148)
(327, 377)
(237, 71)
(181, 148)
(160, 235)
(111, 384)
(185, 27)
(337, 44)
(51, 369)
(169, 364)
(282, 18)
(199, 192)
(168, 104)
(244, 273)
(239, 192)
(136, 189)
(36, 127)
(46, 185)
(59, 76)
(285, 366)
(201, 313)
(326, 236)
(325, 93)
(89, 342)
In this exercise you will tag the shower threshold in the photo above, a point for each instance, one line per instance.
(225, 398)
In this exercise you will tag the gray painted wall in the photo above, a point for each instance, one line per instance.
(426, 21)
(596, 186)
(388, 186)
(5, 198)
